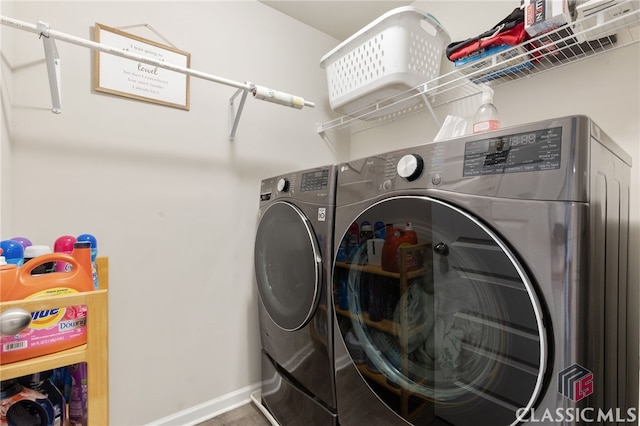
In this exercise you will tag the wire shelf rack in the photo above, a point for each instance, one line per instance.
(582, 39)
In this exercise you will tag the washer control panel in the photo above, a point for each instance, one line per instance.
(315, 180)
(523, 152)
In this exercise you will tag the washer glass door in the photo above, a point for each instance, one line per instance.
(288, 265)
(439, 317)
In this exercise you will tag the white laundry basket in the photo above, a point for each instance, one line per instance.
(400, 50)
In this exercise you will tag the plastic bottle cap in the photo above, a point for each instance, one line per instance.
(33, 251)
(90, 238)
(64, 244)
(12, 249)
(487, 95)
(25, 242)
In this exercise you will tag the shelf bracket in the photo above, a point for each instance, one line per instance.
(427, 103)
(234, 117)
(52, 59)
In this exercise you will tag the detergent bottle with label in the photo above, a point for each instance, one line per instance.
(394, 239)
(78, 402)
(50, 330)
(379, 230)
(41, 382)
(413, 258)
(366, 234)
(94, 256)
(353, 242)
(341, 255)
(24, 406)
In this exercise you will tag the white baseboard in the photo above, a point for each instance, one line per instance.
(209, 409)
(256, 397)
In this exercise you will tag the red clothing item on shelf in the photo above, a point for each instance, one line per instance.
(513, 36)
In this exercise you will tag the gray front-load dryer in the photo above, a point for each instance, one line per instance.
(498, 294)
(293, 252)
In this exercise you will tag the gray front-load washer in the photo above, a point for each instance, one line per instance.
(293, 252)
(498, 294)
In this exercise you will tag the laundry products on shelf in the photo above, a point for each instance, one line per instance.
(50, 330)
(395, 239)
(42, 383)
(24, 406)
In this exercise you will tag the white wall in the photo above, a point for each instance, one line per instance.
(5, 118)
(172, 202)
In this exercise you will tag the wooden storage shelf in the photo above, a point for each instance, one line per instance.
(398, 329)
(377, 270)
(95, 352)
(385, 325)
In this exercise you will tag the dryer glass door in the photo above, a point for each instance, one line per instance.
(440, 318)
(288, 265)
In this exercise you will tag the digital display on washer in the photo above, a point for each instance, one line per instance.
(523, 152)
(315, 181)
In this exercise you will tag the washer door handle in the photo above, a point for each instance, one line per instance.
(441, 249)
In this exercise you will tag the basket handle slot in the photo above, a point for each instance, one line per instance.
(431, 25)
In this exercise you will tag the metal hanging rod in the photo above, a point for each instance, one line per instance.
(43, 30)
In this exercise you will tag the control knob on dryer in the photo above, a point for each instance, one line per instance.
(410, 167)
(283, 185)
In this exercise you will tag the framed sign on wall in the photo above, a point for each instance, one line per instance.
(133, 79)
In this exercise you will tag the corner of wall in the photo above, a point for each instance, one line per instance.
(6, 78)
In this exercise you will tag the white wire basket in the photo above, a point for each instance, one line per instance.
(399, 51)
